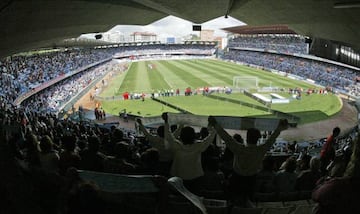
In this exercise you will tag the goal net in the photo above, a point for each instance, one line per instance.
(245, 82)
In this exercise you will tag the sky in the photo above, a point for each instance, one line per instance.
(172, 26)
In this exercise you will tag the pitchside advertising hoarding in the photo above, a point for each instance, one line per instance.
(227, 122)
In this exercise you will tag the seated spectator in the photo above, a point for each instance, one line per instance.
(308, 178)
(265, 177)
(69, 157)
(91, 158)
(32, 150)
(119, 164)
(150, 162)
(227, 159)
(117, 135)
(340, 194)
(49, 158)
(285, 179)
(86, 198)
(214, 179)
(303, 162)
(280, 43)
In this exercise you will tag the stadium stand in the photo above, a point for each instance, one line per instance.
(325, 74)
(283, 43)
(44, 157)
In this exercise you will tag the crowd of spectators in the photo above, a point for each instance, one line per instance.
(325, 74)
(54, 97)
(274, 42)
(23, 73)
(45, 151)
(161, 49)
(32, 70)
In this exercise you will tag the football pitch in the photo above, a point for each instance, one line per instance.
(153, 76)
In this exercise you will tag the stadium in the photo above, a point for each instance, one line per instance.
(265, 122)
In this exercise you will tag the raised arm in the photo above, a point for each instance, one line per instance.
(210, 138)
(142, 128)
(283, 125)
(169, 137)
(229, 140)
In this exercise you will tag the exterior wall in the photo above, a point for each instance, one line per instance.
(207, 35)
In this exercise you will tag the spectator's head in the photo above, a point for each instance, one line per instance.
(187, 135)
(69, 142)
(87, 198)
(252, 136)
(94, 143)
(32, 143)
(268, 163)
(82, 142)
(337, 167)
(46, 144)
(304, 162)
(315, 164)
(336, 131)
(121, 149)
(117, 135)
(238, 138)
(160, 131)
(150, 156)
(290, 165)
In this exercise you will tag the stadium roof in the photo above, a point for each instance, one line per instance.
(269, 29)
(37, 23)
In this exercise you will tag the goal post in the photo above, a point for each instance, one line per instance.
(245, 82)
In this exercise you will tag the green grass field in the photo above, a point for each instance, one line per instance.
(181, 74)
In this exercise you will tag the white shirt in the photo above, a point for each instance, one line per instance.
(187, 158)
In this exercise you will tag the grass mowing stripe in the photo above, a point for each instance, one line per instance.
(235, 68)
(192, 74)
(241, 71)
(129, 80)
(186, 76)
(156, 78)
(170, 77)
(226, 72)
(212, 76)
(142, 82)
(219, 71)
